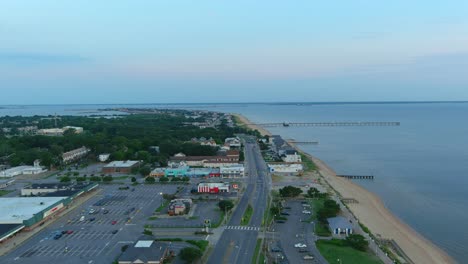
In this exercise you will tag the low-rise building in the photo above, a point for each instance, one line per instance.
(23, 170)
(233, 143)
(291, 156)
(50, 132)
(75, 154)
(286, 168)
(5, 183)
(104, 157)
(125, 166)
(340, 225)
(232, 171)
(146, 252)
(78, 130)
(213, 187)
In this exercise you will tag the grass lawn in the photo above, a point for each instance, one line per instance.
(120, 177)
(162, 206)
(332, 251)
(320, 229)
(247, 215)
(309, 164)
(221, 219)
(257, 251)
(5, 192)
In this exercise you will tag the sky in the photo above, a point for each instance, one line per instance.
(147, 51)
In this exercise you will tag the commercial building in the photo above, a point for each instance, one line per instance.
(25, 213)
(286, 168)
(146, 252)
(229, 157)
(179, 206)
(104, 157)
(23, 170)
(59, 131)
(340, 225)
(125, 166)
(213, 187)
(232, 143)
(55, 189)
(232, 171)
(75, 154)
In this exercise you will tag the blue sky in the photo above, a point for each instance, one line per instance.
(232, 51)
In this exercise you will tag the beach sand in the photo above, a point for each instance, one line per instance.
(371, 212)
(249, 124)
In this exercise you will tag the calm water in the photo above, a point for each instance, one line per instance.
(421, 167)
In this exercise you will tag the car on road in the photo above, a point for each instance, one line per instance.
(308, 257)
(287, 207)
(300, 245)
(82, 218)
(306, 212)
(280, 221)
(275, 249)
(114, 222)
(303, 250)
(115, 231)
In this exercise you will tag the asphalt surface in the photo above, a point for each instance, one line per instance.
(237, 244)
(94, 241)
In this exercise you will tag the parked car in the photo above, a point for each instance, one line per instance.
(57, 236)
(287, 207)
(115, 231)
(275, 249)
(92, 211)
(306, 212)
(114, 222)
(284, 213)
(64, 232)
(308, 257)
(303, 250)
(280, 221)
(105, 211)
(69, 232)
(300, 245)
(92, 219)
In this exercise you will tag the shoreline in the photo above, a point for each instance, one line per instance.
(372, 212)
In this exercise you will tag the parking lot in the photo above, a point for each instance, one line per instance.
(296, 230)
(81, 237)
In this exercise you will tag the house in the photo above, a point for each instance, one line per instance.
(125, 166)
(291, 156)
(146, 252)
(75, 154)
(340, 226)
(205, 142)
(104, 157)
(233, 143)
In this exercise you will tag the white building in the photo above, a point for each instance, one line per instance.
(23, 170)
(104, 157)
(292, 157)
(213, 187)
(75, 154)
(233, 142)
(233, 170)
(285, 168)
(50, 132)
(78, 130)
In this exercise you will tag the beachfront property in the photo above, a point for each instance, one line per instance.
(291, 156)
(285, 168)
(125, 166)
(75, 154)
(340, 226)
(23, 170)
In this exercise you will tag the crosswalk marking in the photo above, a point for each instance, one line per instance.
(244, 228)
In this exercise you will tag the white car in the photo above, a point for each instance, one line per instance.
(306, 212)
(299, 245)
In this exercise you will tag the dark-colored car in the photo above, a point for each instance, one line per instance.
(114, 222)
(115, 231)
(284, 213)
(64, 232)
(92, 219)
(303, 250)
(280, 221)
(57, 236)
(105, 211)
(275, 249)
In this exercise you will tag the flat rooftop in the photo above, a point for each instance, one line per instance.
(121, 164)
(13, 210)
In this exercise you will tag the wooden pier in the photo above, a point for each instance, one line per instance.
(292, 141)
(357, 177)
(328, 124)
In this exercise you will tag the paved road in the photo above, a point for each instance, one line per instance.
(237, 245)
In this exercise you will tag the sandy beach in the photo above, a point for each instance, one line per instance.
(371, 211)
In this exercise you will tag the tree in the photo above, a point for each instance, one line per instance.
(185, 179)
(163, 179)
(190, 254)
(357, 242)
(313, 192)
(107, 178)
(80, 179)
(134, 179)
(145, 170)
(95, 179)
(76, 173)
(330, 209)
(226, 205)
(290, 191)
(150, 180)
(65, 179)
